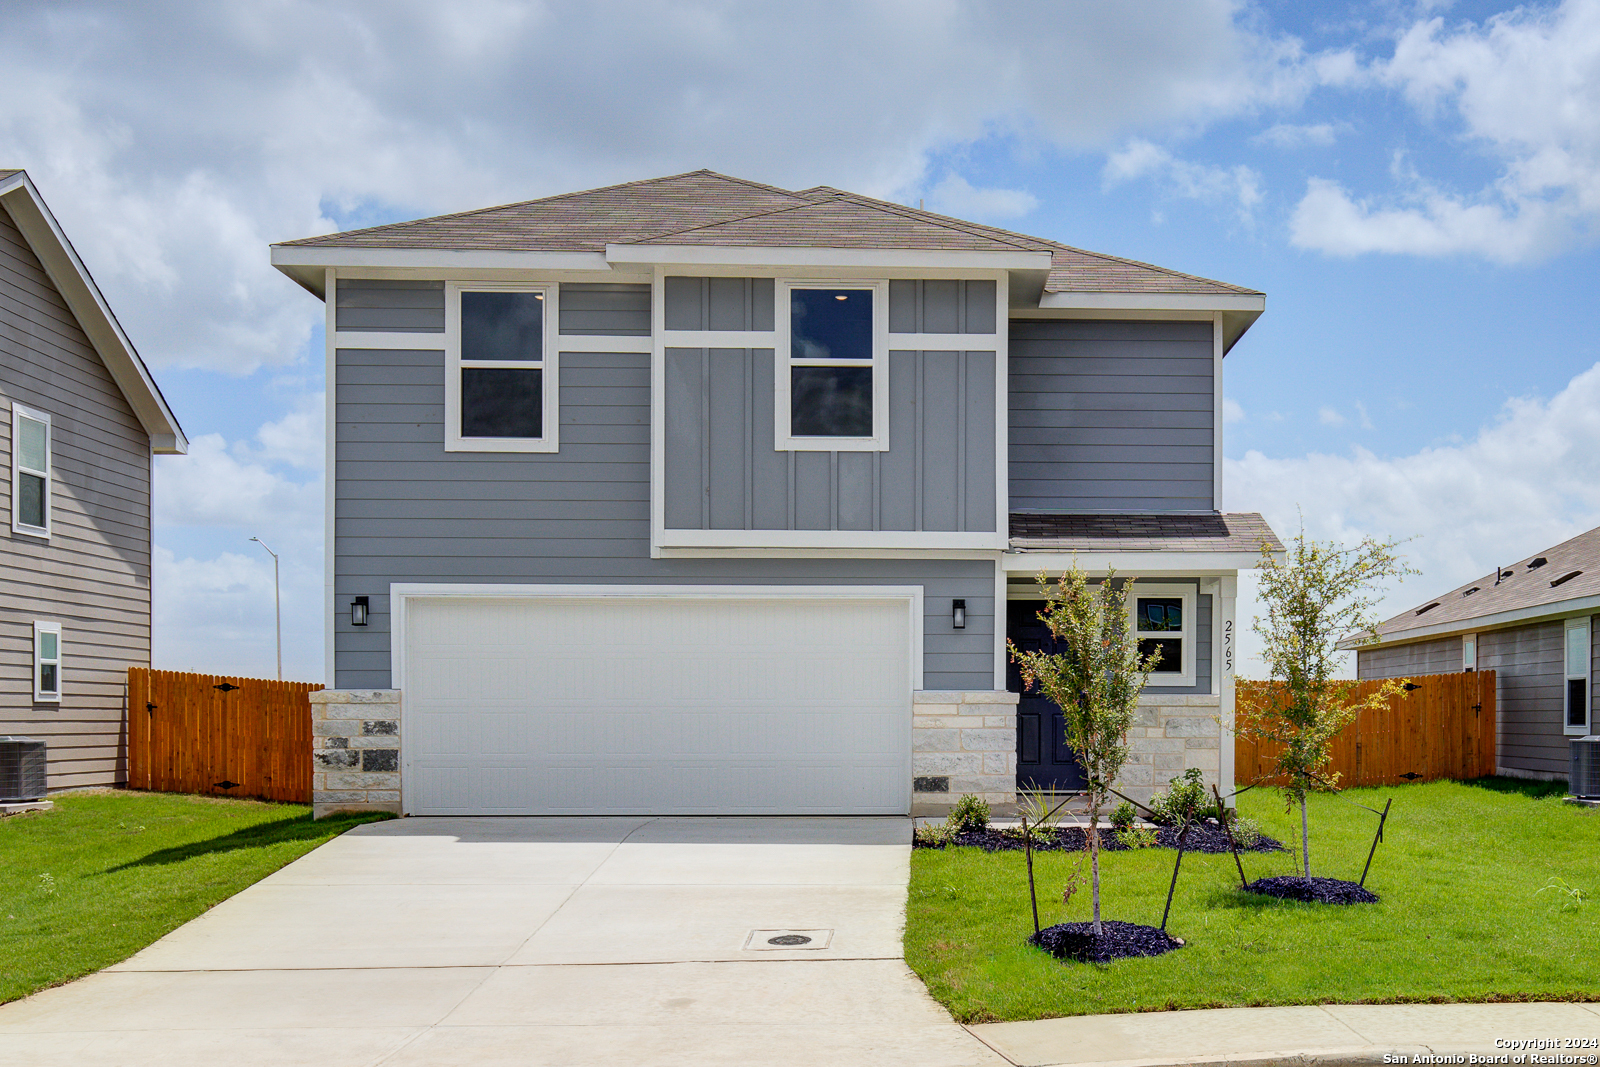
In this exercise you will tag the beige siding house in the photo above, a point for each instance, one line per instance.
(80, 418)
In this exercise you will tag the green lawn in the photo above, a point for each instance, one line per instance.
(106, 873)
(1461, 916)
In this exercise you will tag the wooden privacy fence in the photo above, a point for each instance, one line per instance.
(1442, 728)
(235, 737)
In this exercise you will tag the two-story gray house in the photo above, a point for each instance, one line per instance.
(80, 422)
(696, 495)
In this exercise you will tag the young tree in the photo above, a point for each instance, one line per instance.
(1317, 593)
(1095, 681)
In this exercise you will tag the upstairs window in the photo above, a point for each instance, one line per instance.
(1164, 618)
(1575, 712)
(500, 374)
(832, 375)
(47, 662)
(30, 471)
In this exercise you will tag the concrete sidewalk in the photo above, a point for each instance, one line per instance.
(1331, 1034)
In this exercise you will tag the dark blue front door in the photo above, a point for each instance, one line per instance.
(1043, 759)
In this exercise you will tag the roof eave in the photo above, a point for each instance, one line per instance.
(308, 265)
(1152, 564)
(1239, 310)
(88, 305)
(1498, 620)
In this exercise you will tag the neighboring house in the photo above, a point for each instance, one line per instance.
(1533, 624)
(80, 418)
(699, 495)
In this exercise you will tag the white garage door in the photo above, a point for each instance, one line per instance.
(657, 705)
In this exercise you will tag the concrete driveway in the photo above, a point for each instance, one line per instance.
(529, 941)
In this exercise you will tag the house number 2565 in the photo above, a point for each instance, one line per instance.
(1227, 647)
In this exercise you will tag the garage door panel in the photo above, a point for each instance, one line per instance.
(627, 705)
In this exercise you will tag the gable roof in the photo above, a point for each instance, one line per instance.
(706, 208)
(71, 279)
(1525, 590)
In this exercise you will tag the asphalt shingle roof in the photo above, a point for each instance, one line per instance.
(706, 208)
(1233, 532)
(1523, 584)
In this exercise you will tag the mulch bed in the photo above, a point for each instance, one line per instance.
(1076, 941)
(1203, 837)
(1313, 890)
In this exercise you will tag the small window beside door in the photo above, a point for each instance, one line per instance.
(1164, 620)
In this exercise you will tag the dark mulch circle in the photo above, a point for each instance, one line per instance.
(1203, 837)
(1313, 890)
(1120, 941)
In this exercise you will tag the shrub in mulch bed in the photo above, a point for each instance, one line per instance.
(1203, 837)
(1076, 941)
(1313, 890)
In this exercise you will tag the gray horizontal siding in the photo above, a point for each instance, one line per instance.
(598, 309)
(407, 511)
(1111, 416)
(1529, 684)
(942, 306)
(93, 574)
(722, 473)
(1440, 656)
(389, 306)
(604, 309)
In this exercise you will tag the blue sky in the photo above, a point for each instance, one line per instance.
(1414, 185)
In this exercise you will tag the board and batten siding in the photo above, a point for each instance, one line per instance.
(407, 511)
(1111, 416)
(722, 472)
(1439, 656)
(93, 574)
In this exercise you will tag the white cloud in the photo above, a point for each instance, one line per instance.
(173, 159)
(1231, 411)
(1289, 136)
(1529, 480)
(954, 195)
(215, 616)
(1329, 417)
(213, 487)
(1139, 158)
(1524, 87)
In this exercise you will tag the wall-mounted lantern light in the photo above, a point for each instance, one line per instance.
(358, 611)
(958, 614)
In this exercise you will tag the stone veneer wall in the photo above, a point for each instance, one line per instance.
(1169, 735)
(355, 750)
(963, 742)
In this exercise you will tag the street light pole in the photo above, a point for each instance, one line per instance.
(277, 604)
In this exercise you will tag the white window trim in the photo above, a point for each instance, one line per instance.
(1469, 652)
(39, 695)
(786, 441)
(550, 364)
(18, 413)
(1189, 634)
(1574, 671)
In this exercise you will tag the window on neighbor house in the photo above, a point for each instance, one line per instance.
(1164, 620)
(46, 661)
(500, 383)
(833, 389)
(1576, 710)
(1469, 652)
(30, 471)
